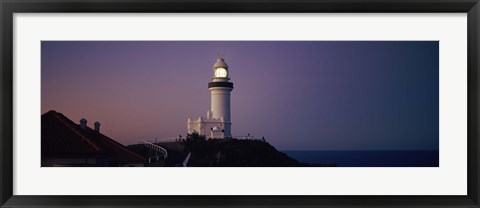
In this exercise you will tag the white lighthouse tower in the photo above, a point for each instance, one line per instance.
(217, 124)
(220, 89)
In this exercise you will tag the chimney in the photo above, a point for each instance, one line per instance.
(97, 126)
(83, 123)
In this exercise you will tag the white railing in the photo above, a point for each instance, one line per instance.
(163, 152)
(170, 139)
(249, 137)
(176, 139)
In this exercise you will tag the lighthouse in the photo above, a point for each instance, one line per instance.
(217, 123)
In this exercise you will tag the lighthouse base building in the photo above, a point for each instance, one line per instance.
(217, 124)
(209, 127)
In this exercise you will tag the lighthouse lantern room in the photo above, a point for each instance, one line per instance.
(217, 124)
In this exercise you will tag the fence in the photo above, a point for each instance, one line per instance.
(163, 152)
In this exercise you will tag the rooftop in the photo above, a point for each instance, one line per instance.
(62, 138)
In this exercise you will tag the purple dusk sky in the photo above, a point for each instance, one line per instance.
(299, 95)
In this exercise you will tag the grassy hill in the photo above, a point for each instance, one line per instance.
(221, 153)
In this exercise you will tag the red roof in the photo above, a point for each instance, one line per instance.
(62, 138)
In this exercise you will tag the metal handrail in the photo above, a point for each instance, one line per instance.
(248, 137)
(155, 147)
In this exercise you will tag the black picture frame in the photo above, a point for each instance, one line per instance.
(9, 7)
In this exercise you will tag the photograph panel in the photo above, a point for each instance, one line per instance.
(240, 103)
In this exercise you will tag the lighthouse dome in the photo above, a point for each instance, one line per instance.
(220, 63)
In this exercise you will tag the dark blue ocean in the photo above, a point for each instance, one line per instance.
(368, 158)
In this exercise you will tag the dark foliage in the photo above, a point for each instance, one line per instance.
(235, 153)
(222, 153)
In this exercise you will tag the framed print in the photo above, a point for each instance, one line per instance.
(247, 104)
